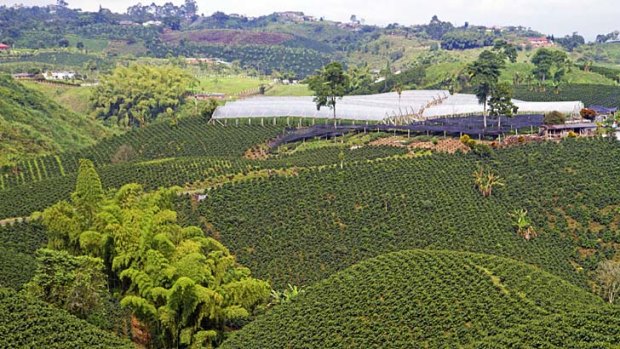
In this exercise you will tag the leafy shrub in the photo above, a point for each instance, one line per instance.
(554, 118)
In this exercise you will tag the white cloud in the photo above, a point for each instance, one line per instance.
(559, 17)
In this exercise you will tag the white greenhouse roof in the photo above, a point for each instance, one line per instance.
(432, 103)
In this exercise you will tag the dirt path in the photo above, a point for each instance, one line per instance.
(8, 221)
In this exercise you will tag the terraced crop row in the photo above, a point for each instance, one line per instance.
(24, 199)
(604, 95)
(30, 323)
(191, 137)
(18, 243)
(321, 222)
(436, 299)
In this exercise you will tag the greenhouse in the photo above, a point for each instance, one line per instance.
(410, 106)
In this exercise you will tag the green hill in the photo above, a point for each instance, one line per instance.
(437, 299)
(32, 124)
(29, 323)
(301, 229)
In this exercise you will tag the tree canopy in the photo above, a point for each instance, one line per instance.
(329, 84)
(138, 94)
(186, 288)
(549, 63)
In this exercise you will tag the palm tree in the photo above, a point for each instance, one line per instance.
(486, 181)
(523, 224)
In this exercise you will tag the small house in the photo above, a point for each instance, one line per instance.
(4, 47)
(59, 75)
(581, 129)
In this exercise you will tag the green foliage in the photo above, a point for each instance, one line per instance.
(554, 118)
(139, 94)
(31, 124)
(486, 180)
(523, 224)
(329, 219)
(484, 75)
(30, 323)
(18, 243)
(500, 103)
(435, 299)
(589, 94)
(76, 284)
(329, 84)
(466, 39)
(549, 64)
(178, 282)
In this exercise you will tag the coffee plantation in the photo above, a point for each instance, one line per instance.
(437, 299)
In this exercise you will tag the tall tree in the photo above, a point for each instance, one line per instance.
(484, 75)
(500, 102)
(328, 85)
(88, 191)
(548, 61)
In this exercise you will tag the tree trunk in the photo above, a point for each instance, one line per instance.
(335, 123)
(484, 114)
(499, 121)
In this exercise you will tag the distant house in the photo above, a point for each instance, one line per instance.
(195, 61)
(540, 42)
(292, 16)
(152, 23)
(128, 23)
(59, 75)
(4, 47)
(23, 76)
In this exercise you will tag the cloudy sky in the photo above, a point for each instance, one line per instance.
(557, 17)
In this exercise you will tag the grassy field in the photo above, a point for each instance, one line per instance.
(72, 98)
(91, 45)
(289, 90)
(230, 85)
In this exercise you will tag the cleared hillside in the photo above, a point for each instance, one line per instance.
(437, 299)
(32, 124)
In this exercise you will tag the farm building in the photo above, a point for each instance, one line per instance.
(23, 76)
(582, 129)
(540, 42)
(388, 107)
(59, 75)
(4, 47)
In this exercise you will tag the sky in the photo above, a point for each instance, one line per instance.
(557, 17)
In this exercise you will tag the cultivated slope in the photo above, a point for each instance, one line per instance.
(32, 124)
(29, 323)
(437, 299)
(321, 222)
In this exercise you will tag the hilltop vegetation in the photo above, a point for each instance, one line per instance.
(432, 299)
(32, 124)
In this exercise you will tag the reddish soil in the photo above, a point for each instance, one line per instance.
(227, 37)
(449, 145)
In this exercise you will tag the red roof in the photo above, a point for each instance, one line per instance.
(4, 47)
